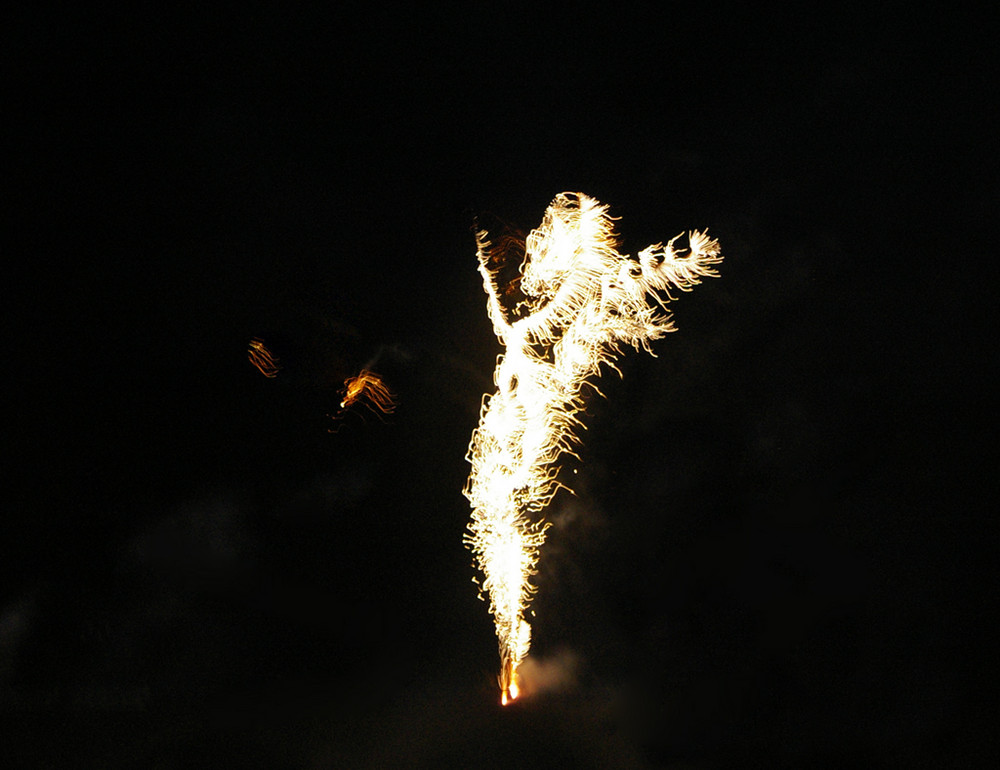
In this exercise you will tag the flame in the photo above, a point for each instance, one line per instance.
(582, 301)
(509, 689)
(262, 358)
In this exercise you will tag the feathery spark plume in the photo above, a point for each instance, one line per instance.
(367, 388)
(262, 358)
(582, 301)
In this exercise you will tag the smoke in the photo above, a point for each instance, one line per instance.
(556, 674)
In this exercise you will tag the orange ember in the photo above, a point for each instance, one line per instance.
(368, 388)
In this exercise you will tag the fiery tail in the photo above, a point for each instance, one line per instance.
(582, 301)
(367, 387)
(262, 358)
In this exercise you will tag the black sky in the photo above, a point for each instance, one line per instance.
(779, 554)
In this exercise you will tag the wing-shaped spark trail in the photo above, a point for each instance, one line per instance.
(263, 358)
(582, 301)
(367, 387)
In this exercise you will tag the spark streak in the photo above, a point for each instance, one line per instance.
(263, 358)
(582, 300)
(367, 387)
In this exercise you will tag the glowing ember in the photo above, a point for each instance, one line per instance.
(368, 389)
(511, 692)
(262, 358)
(582, 301)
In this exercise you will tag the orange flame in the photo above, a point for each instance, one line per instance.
(509, 690)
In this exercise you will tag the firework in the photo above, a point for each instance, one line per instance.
(263, 358)
(367, 388)
(574, 305)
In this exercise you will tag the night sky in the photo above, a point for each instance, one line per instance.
(780, 552)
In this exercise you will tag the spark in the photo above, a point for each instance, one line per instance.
(582, 302)
(368, 388)
(262, 358)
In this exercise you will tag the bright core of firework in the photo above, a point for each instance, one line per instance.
(575, 303)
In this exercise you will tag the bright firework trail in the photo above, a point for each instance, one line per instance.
(263, 358)
(578, 302)
(368, 389)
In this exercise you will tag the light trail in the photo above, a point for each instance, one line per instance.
(367, 388)
(578, 302)
(263, 358)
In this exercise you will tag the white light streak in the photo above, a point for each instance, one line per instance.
(579, 302)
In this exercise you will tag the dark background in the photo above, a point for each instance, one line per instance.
(780, 553)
